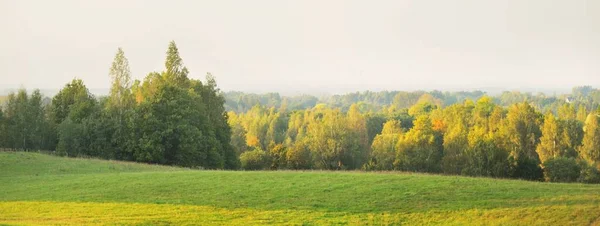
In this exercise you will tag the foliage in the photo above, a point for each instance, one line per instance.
(561, 169)
(589, 174)
(254, 160)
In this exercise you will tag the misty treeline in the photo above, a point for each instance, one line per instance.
(239, 102)
(167, 118)
(171, 119)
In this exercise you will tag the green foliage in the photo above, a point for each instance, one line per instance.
(74, 101)
(167, 119)
(254, 160)
(528, 169)
(561, 169)
(25, 124)
(589, 174)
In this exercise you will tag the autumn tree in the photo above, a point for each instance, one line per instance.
(590, 150)
(384, 146)
(420, 150)
(550, 143)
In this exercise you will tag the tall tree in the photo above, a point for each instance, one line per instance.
(550, 143)
(175, 72)
(120, 91)
(523, 130)
(590, 150)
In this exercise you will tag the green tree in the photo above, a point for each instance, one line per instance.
(73, 101)
(175, 72)
(561, 169)
(120, 97)
(254, 160)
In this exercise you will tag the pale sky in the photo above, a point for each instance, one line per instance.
(308, 45)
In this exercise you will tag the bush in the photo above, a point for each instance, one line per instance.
(528, 169)
(561, 169)
(254, 160)
(589, 174)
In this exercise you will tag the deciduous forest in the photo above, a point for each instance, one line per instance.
(171, 119)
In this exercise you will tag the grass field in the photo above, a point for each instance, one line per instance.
(42, 189)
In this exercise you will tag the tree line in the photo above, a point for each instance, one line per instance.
(239, 102)
(478, 138)
(167, 118)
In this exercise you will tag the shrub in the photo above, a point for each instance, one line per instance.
(589, 174)
(528, 169)
(561, 169)
(254, 160)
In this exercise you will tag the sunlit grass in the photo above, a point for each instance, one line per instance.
(124, 213)
(106, 192)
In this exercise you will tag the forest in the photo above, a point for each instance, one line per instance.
(171, 119)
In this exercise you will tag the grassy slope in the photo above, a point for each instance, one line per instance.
(36, 188)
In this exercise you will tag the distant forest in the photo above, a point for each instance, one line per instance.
(171, 119)
(375, 101)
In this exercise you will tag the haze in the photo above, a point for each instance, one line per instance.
(308, 46)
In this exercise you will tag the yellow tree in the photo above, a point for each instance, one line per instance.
(550, 144)
(384, 146)
(590, 150)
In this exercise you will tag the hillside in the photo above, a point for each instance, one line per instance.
(42, 189)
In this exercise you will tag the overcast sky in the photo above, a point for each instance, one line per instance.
(308, 45)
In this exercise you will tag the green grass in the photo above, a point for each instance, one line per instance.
(43, 189)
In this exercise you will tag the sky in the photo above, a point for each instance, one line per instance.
(332, 46)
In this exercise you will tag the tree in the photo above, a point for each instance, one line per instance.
(70, 138)
(571, 137)
(567, 111)
(20, 118)
(550, 142)
(484, 157)
(119, 115)
(172, 128)
(456, 122)
(120, 91)
(523, 130)
(521, 135)
(175, 72)
(217, 117)
(420, 150)
(582, 113)
(254, 160)
(590, 150)
(298, 156)
(561, 169)
(357, 126)
(384, 146)
(73, 101)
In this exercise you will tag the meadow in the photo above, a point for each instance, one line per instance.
(44, 189)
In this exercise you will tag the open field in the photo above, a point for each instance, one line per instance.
(42, 189)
